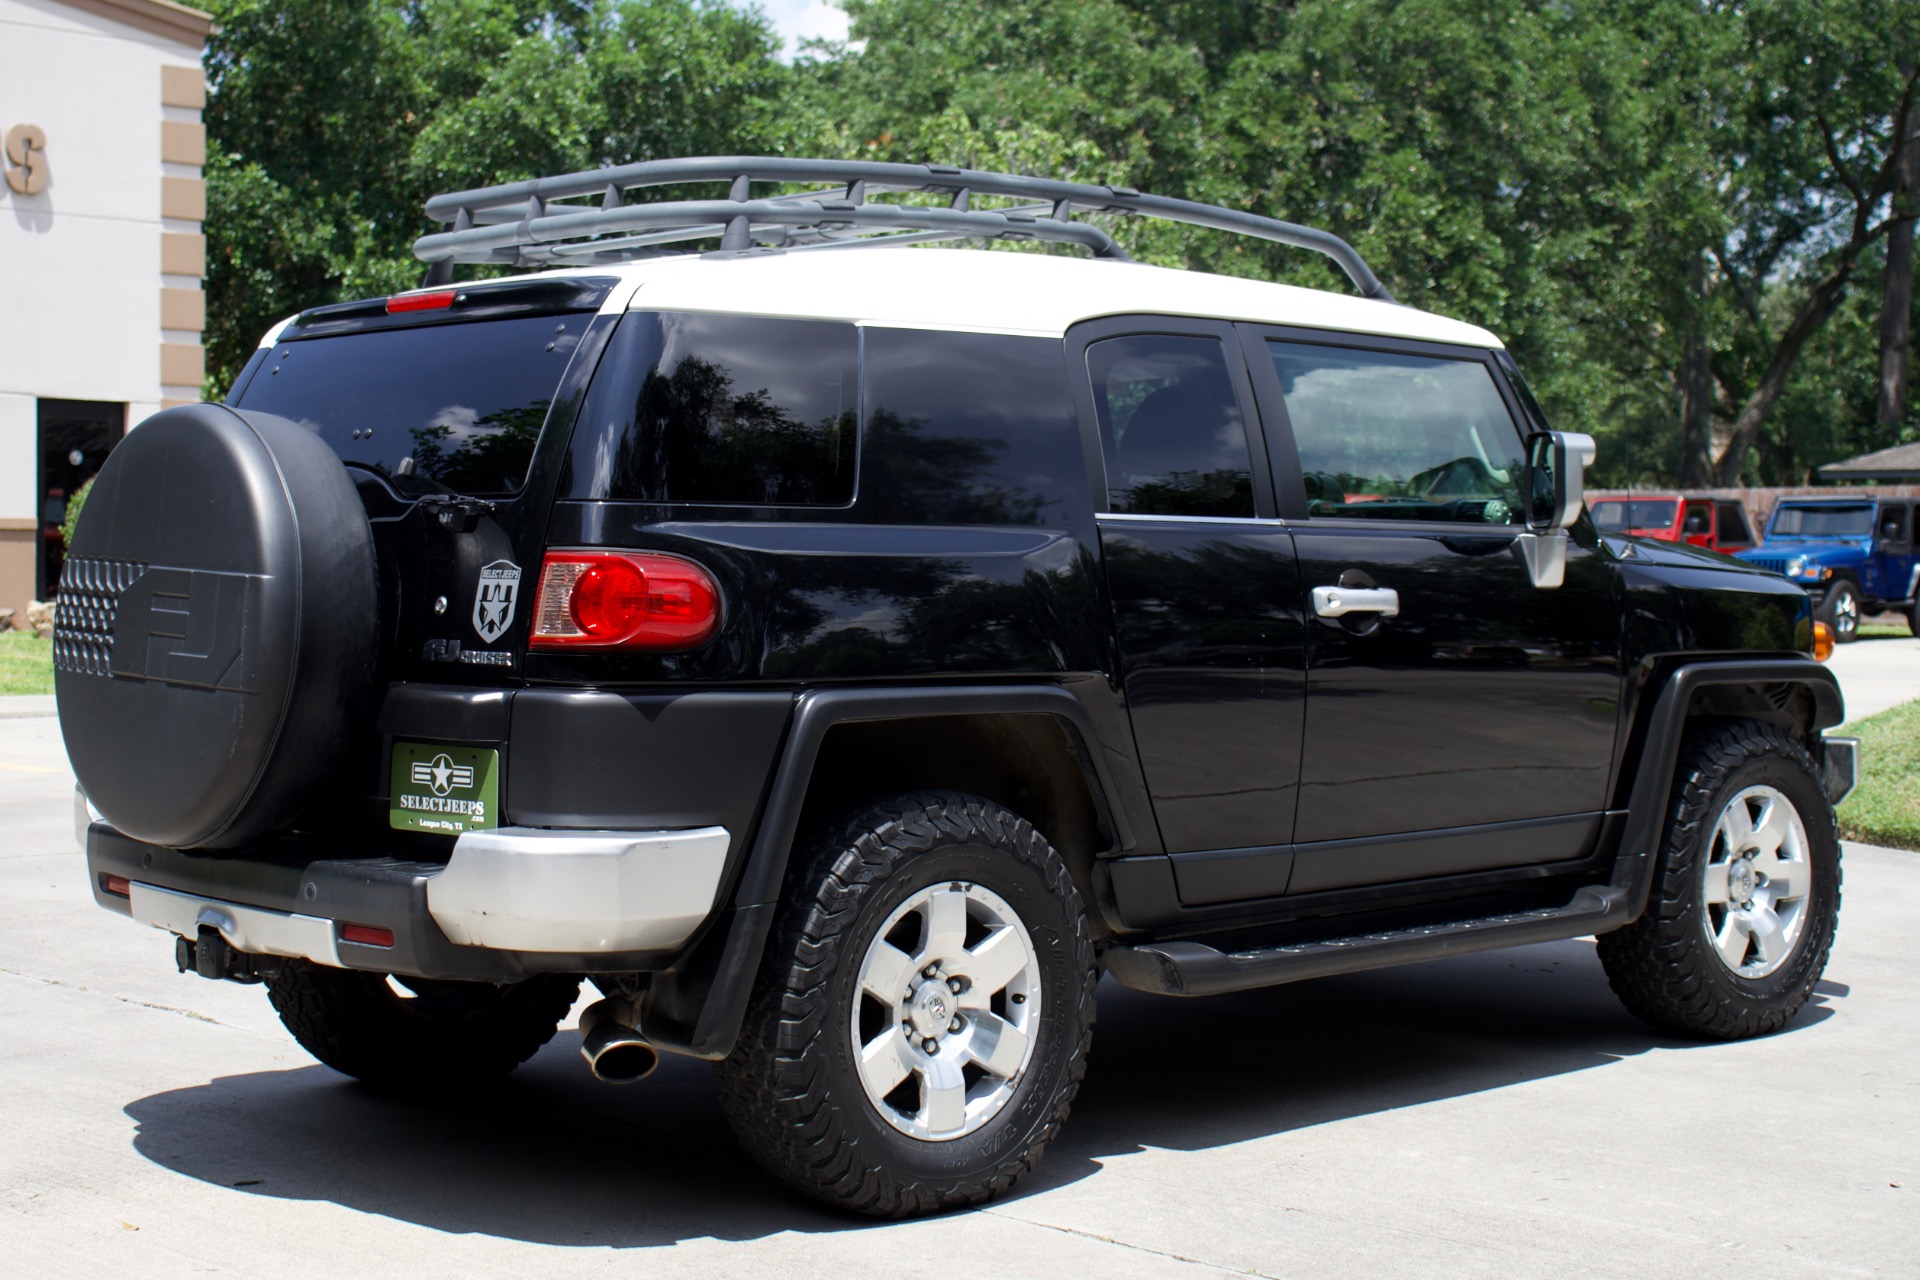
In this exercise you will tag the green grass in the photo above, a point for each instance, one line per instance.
(26, 663)
(1885, 807)
(1884, 630)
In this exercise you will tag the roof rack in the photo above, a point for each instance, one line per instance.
(584, 218)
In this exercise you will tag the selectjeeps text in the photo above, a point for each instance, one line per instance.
(841, 653)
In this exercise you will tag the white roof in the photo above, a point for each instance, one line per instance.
(982, 291)
(1001, 292)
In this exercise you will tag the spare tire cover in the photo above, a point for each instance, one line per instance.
(216, 629)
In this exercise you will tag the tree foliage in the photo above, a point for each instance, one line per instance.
(1675, 211)
(330, 122)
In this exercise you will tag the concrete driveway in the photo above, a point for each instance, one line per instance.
(1495, 1115)
(1877, 673)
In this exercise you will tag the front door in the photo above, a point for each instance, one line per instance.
(1206, 599)
(1464, 722)
(1891, 569)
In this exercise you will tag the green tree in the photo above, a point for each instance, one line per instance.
(331, 121)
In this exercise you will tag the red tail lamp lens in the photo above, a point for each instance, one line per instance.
(609, 600)
(438, 300)
(117, 886)
(632, 600)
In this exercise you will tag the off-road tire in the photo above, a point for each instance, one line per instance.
(791, 1088)
(1841, 611)
(1663, 966)
(442, 1035)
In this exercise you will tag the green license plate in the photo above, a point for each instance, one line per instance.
(444, 789)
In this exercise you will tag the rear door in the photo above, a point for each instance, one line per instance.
(1206, 597)
(1472, 729)
(1731, 532)
(438, 403)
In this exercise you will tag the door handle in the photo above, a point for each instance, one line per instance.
(1337, 602)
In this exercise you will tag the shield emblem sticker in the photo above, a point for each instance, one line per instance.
(493, 602)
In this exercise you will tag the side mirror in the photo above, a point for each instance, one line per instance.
(1556, 478)
(1556, 492)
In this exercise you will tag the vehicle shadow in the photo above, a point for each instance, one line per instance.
(553, 1157)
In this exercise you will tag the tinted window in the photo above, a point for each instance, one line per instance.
(1171, 426)
(1639, 513)
(1733, 524)
(1699, 518)
(967, 428)
(1854, 521)
(1893, 524)
(720, 409)
(456, 404)
(1389, 436)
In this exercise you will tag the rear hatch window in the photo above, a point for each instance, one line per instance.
(432, 404)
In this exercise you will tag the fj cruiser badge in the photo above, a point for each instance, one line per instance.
(493, 602)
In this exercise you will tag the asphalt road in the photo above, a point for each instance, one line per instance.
(1495, 1115)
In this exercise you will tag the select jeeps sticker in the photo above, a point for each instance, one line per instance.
(493, 601)
(444, 789)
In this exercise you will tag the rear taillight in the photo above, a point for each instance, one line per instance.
(625, 600)
(438, 300)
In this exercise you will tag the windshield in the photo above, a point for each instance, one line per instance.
(453, 405)
(1825, 521)
(1639, 513)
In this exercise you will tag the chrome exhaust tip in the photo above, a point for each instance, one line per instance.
(615, 1050)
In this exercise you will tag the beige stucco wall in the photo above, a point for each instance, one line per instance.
(100, 272)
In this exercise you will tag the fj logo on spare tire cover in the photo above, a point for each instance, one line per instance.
(493, 602)
(183, 627)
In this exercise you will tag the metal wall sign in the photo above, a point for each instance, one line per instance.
(26, 146)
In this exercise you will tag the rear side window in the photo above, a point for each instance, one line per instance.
(969, 428)
(1734, 529)
(735, 410)
(1170, 426)
(454, 405)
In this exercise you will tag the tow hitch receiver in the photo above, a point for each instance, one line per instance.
(212, 956)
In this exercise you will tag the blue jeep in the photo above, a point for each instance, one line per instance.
(1853, 556)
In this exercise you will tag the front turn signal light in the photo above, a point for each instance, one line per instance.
(1822, 642)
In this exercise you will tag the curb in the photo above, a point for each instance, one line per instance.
(25, 706)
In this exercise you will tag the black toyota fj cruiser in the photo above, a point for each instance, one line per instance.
(841, 654)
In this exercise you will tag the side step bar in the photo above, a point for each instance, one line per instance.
(1195, 969)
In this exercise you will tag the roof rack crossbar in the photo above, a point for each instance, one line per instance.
(500, 223)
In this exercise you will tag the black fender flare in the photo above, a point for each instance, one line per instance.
(1653, 777)
(696, 1007)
